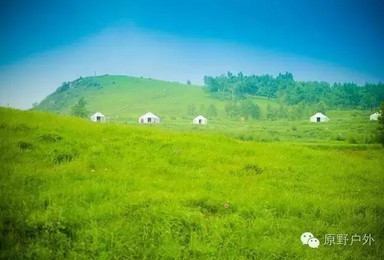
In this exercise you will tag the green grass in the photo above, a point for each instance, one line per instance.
(342, 129)
(123, 99)
(76, 189)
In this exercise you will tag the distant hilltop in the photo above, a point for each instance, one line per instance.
(125, 98)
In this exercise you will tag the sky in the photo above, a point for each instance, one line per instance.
(44, 43)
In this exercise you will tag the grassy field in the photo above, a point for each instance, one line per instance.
(123, 99)
(345, 127)
(79, 190)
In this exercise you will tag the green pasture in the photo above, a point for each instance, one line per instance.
(124, 99)
(348, 126)
(73, 189)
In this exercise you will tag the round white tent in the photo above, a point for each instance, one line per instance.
(98, 117)
(200, 120)
(375, 116)
(318, 117)
(149, 118)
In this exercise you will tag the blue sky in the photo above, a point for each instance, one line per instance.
(43, 43)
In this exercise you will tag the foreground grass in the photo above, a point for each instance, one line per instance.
(73, 189)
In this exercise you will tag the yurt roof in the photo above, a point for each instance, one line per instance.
(149, 114)
(200, 117)
(97, 114)
(319, 115)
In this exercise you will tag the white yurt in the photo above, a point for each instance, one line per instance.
(200, 120)
(98, 117)
(149, 118)
(374, 116)
(318, 117)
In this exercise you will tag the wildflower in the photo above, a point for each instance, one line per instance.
(226, 205)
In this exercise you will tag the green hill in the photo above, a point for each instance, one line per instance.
(124, 98)
(79, 190)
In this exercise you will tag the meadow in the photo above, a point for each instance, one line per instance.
(344, 127)
(75, 189)
(124, 99)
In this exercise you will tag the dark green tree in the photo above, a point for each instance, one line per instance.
(79, 109)
(321, 107)
(35, 104)
(249, 110)
(336, 96)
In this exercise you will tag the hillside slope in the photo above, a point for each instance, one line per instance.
(76, 189)
(124, 98)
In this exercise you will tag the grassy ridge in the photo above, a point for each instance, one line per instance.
(73, 189)
(124, 98)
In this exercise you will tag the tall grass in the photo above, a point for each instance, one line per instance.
(75, 189)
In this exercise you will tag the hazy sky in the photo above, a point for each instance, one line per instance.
(43, 43)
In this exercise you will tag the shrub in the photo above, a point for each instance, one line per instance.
(50, 138)
(79, 109)
(340, 137)
(352, 140)
(62, 158)
(243, 137)
(64, 87)
(24, 145)
(59, 157)
(253, 168)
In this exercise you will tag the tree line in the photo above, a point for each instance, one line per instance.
(291, 92)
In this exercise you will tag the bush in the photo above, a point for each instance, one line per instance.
(24, 145)
(62, 158)
(340, 137)
(59, 157)
(243, 137)
(79, 109)
(64, 87)
(50, 138)
(253, 168)
(352, 140)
